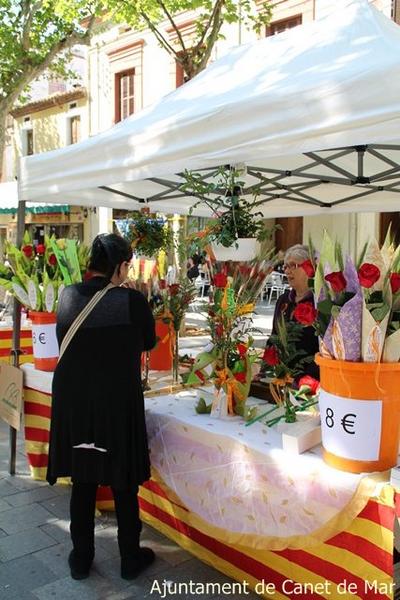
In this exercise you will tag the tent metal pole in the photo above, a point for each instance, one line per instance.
(15, 350)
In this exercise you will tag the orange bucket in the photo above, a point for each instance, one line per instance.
(44, 340)
(161, 355)
(360, 414)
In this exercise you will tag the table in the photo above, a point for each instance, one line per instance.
(6, 343)
(291, 527)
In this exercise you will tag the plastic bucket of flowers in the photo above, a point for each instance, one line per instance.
(360, 414)
(358, 323)
(161, 355)
(44, 340)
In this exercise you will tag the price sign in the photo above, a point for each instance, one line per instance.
(44, 340)
(351, 428)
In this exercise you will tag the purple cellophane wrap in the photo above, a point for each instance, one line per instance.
(349, 320)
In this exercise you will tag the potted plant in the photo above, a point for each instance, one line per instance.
(237, 228)
(147, 234)
(36, 275)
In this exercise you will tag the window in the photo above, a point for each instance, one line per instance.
(74, 129)
(28, 142)
(283, 25)
(124, 94)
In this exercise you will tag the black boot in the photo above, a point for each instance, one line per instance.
(132, 566)
(79, 564)
(83, 500)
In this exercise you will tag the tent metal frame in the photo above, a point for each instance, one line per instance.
(272, 183)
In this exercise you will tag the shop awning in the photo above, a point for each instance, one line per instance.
(9, 202)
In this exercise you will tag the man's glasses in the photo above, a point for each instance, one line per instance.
(290, 266)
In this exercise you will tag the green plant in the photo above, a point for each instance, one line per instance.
(235, 217)
(147, 234)
(36, 274)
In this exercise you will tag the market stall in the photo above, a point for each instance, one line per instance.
(231, 496)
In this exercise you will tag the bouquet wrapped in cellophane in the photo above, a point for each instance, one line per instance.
(36, 274)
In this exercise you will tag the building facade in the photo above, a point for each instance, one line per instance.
(125, 71)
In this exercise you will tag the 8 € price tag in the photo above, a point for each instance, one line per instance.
(351, 428)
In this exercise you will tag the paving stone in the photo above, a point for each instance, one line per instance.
(59, 530)
(58, 506)
(24, 517)
(4, 505)
(93, 588)
(192, 571)
(30, 496)
(21, 544)
(56, 557)
(6, 489)
(18, 577)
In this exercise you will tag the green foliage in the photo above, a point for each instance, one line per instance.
(210, 17)
(236, 217)
(147, 234)
(291, 359)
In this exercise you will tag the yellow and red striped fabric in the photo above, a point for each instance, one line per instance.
(37, 409)
(359, 559)
(25, 343)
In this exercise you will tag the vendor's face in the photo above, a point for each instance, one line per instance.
(297, 277)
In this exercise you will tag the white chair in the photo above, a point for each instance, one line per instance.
(277, 285)
(201, 284)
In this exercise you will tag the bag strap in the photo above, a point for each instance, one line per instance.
(81, 317)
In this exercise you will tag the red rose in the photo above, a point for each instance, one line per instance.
(305, 313)
(220, 280)
(241, 377)
(28, 250)
(312, 383)
(162, 284)
(52, 260)
(242, 349)
(368, 275)
(200, 375)
(271, 356)
(219, 330)
(174, 289)
(40, 249)
(337, 280)
(308, 267)
(395, 282)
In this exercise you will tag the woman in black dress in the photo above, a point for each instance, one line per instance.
(298, 293)
(98, 430)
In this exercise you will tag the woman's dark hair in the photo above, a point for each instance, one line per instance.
(108, 251)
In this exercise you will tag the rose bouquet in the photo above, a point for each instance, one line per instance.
(36, 274)
(282, 362)
(357, 304)
(228, 360)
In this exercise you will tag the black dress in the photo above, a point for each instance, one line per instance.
(285, 306)
(97, 393)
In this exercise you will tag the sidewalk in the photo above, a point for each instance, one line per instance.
(34, 546)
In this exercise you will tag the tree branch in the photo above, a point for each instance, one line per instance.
(217, 7)
(28, 12)
(218, 20)
(175, 27)
(159, 36)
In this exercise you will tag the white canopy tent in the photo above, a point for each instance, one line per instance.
(313, 114)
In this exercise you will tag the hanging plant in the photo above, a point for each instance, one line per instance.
(147, 234)
(235, 217)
